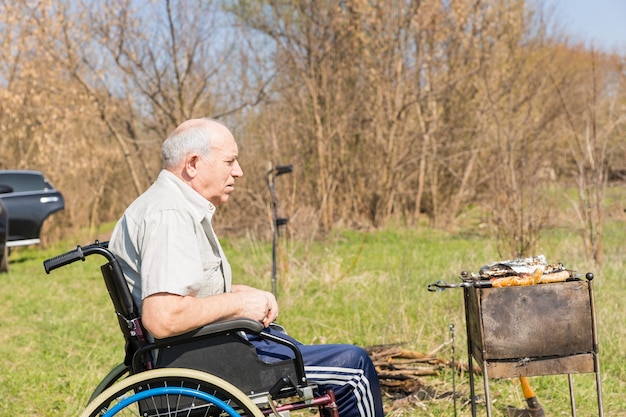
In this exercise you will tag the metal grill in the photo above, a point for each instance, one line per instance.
(543, 329)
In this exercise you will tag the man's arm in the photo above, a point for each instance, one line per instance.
(166, 315)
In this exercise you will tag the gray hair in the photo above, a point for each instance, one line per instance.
(193, 136)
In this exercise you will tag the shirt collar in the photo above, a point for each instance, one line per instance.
(200, 205)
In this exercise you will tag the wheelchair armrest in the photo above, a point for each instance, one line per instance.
(214, 329)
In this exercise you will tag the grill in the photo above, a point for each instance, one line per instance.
(527, 318)
(533, 330)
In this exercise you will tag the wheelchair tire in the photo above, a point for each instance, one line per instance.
(171, 392)
(116, 374)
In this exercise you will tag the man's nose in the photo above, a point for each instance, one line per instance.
(237, 171)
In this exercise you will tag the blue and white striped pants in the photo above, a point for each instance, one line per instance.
(346, 369)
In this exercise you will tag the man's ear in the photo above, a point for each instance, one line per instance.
(191, 165)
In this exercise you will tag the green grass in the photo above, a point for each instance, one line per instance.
(60, 336)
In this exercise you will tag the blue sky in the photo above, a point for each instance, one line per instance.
(601, 23)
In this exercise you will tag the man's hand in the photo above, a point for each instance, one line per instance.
(258, 305)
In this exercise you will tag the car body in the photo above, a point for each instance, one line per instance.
(29, 199)
(4, 236)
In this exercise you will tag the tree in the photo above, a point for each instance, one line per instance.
(389, 111)
(520, 108)
(105, 83)
(594, 128)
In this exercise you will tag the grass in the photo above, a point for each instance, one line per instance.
(60, 336)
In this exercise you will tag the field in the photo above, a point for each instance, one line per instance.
(60, 336)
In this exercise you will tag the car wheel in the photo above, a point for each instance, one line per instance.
(4, 260)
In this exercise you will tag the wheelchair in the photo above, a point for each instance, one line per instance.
(211, 371)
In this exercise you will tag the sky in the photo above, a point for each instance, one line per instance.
(598, 23)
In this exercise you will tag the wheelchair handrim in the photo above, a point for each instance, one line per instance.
(94, 407)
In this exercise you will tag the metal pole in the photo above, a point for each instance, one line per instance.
(469, 351)
(276, 221)
(453, 369)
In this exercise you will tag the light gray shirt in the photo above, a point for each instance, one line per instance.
(165, 242)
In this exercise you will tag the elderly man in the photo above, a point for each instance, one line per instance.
(181, 280)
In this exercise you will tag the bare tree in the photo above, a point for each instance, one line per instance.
(447, 52)
(593, 124)
(46, 118)
(349, 85)
(520, 110)
(388, 110)
(130, 73)
(317, 90)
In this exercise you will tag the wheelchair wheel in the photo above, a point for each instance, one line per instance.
(172, 392)
(116, 374)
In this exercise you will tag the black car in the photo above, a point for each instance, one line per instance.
(4, 235)
(27, 199)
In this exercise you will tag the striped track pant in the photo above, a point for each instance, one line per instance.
(346, 369)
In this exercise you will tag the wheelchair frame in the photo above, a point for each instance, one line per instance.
(175, 384)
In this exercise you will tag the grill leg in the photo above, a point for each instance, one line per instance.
(487, 395)
(572, 399)
(469, 353)
(596, 358)
(598, 385)
(471, 382)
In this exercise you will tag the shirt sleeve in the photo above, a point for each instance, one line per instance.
(171, 256)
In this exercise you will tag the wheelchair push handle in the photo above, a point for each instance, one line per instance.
(78, 254)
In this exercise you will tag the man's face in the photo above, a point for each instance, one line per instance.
(217, 174)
